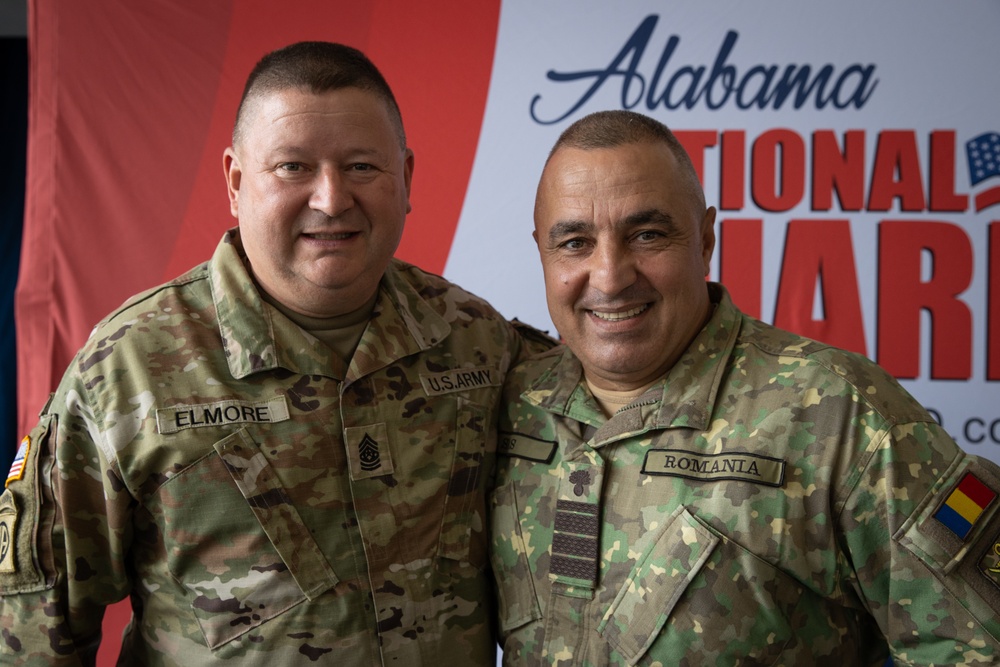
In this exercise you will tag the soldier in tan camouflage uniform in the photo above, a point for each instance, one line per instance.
(282, 456)
(684, 485)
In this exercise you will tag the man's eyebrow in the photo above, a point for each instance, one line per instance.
(567, 228)
(650, 216)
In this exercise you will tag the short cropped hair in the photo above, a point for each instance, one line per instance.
(610, 129)
(318, 67)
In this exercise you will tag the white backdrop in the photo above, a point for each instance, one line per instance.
(906, 69)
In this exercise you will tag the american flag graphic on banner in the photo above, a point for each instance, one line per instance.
(983, 153)
(17, 467)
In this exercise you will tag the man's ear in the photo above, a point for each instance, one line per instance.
(708, 238)
(231, 167)
(408, 160)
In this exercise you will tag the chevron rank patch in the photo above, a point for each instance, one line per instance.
(964, 505)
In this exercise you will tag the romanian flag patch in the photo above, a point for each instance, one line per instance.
(965, 505)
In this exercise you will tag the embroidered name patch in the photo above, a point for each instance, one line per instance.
(964, 505)
(525, 447)
(17, 467)
(712, 467)
(460, 379)
(181, 417)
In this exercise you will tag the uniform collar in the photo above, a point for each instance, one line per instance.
(256, 337)
(683, 400)
(404, 323)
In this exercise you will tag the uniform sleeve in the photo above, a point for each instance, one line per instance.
(921, 529)
(67, 515)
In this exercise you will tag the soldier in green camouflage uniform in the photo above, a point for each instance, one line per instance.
(757, 498)
(262, 498)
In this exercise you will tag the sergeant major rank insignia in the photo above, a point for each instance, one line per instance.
(368, 450)
(368, 453)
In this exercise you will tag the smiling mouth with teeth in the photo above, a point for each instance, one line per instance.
(624, 315)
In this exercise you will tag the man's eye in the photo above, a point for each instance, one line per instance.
(361, 166)
(647, 235)
(290, 167)
(573, 244)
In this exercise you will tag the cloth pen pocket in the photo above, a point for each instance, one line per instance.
(463, 529)
(509, 558)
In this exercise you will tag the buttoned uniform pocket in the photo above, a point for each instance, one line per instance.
(698, 594)
(236, 543)
(509, 557)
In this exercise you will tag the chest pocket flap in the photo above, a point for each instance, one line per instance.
(648, 597)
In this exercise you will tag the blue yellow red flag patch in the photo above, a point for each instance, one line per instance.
(964, 505)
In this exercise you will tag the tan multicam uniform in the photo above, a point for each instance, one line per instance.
(261, 504)
(776, 502)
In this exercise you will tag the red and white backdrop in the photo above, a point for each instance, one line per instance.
(851, 148)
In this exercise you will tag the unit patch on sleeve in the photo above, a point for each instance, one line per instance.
(964, 505)
(8, 532)
(17, 467)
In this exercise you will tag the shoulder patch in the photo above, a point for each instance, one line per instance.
(8, 532)
(17, 467)
(963, 507)
(22, 533)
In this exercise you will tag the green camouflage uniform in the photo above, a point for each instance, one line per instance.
(775, 502)
(262, 504)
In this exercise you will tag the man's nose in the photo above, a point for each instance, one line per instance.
(331, 193)
(612, 269)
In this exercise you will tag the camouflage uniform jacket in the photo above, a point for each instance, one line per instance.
(261, 504)
(775, 502)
